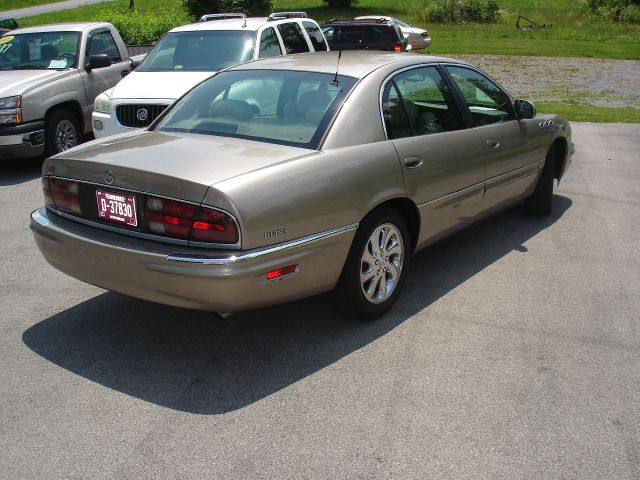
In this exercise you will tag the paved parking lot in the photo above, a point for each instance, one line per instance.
(513, 353)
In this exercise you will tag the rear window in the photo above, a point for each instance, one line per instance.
(207, 51)
(276, 106)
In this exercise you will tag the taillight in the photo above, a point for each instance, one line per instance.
(397, 47)
(174, 219)
(62, 194)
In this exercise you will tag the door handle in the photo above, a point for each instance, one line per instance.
(493, 144)
(124, 73)
(412, 162)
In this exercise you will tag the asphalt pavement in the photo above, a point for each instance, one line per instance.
(513, 353)
(47, 8)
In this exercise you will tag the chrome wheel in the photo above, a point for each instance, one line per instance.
(66, 136)
(381, 263)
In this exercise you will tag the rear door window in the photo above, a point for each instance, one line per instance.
(293, 38)
(316, 37)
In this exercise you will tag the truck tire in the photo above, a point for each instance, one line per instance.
(61, 132)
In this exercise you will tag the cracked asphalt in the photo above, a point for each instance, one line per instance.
(513, 353)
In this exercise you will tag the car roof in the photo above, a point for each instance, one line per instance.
(252, 23)
(364, 21)
(60, 27)
(353, 63)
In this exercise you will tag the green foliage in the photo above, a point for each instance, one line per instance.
(197, 8)
(458, 11)
(341, 3)
(624, 11)
(142, 28)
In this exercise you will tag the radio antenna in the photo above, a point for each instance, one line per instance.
(335, 81)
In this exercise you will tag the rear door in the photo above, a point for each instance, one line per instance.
(512, 153)
(442, 163)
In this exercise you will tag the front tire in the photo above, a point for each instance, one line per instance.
(62, 132)
(376, 266)
(540, 202)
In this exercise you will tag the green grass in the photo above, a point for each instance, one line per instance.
(589, 113)
(92, 12)
(15, 4)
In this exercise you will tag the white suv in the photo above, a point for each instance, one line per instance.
(187, 55)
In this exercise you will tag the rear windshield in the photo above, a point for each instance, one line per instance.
(360, 36)
(50, 50)
(207, 51)
(275, 106)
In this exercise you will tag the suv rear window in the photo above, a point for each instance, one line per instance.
(363, 36)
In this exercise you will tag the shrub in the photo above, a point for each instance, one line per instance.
(142, 28)
(626, 11)
(197, 8)
(341, 3)
(458, 11)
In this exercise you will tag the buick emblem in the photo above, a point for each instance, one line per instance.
(108, 177)
(142, 114)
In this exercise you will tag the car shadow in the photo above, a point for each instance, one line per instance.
(19, 170)
(192, 362)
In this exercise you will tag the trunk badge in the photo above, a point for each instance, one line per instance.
(108, 177)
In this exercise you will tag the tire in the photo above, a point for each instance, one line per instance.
(61, 132)
(540, 202)
(371, 282)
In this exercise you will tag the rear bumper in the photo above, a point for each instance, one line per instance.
(220, 281)
(22, 141)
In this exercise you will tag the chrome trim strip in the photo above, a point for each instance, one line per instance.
(250, 255)
(452, 194)
(148, 236)
(532, 166)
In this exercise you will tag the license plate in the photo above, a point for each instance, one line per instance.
(117, 207)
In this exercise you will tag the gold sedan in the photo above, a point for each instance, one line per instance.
(292, 176)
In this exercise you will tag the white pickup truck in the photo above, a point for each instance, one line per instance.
(50, 76)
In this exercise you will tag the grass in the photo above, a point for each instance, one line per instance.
(589, 113)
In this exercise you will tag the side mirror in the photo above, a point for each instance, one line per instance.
(135, 63)
(98, 61)
(525, 109)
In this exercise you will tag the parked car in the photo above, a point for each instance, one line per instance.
(378, 34)
(7, 24)
(417, 37)
(291, 176)
(49, 77)
(187, 55)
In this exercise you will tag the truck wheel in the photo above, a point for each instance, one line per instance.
(61, 132)
(376, 266)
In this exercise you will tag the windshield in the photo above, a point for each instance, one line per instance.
(53, 50)
(276, 106)
(198, 51)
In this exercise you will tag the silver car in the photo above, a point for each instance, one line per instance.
(292, 176)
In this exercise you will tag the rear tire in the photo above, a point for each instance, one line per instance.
(376, 266)
(540, 202)
(61, 132)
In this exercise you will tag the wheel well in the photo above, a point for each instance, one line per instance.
(72, 107)
(410, 213)
(560, 146)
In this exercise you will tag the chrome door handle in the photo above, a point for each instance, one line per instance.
(493, 144)
(412, 162)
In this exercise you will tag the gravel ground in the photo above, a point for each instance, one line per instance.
(592, 81)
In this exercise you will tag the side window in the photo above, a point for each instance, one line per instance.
(269, 44)
(393, 112)
(102, 42)
(316, 37)
(427, 101)
(487, 102)
(293, 38)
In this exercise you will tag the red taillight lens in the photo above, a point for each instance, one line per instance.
(397, 47)
(171, 218)
(62, 194)
(213, 226)
(46, 191)
(168, 217)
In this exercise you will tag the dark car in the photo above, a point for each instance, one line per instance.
(7, 24)
(376, 34)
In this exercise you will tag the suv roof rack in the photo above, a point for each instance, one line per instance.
(280, 15)
(221, 16)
